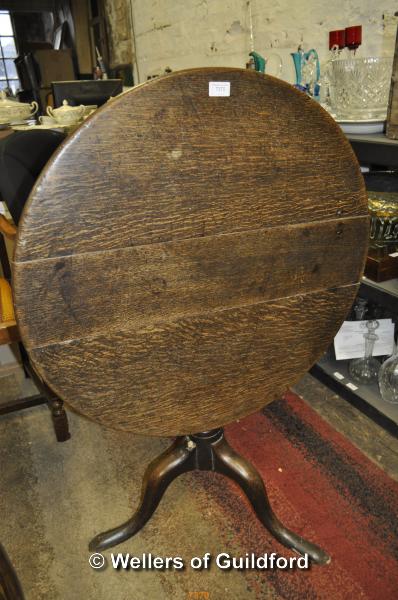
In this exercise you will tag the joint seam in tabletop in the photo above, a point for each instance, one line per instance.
(152, 325)
(208, 393)
(341, 219)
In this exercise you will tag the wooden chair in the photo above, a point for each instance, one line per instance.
(22, 157)
(8, 326)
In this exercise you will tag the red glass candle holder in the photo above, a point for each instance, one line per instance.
(337, 38)
(353, 37)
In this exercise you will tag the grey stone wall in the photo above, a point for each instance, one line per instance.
(119, 31)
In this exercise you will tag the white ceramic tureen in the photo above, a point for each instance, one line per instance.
(65, 114)
(11, 110)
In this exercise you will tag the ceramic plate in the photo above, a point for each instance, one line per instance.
(29, 127)
(362, 127)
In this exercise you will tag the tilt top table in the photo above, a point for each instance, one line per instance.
(184, 258)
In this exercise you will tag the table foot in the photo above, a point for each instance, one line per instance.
(158, 476)
(234, 466)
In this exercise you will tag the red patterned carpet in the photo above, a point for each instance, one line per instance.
(323, 488)
(55, 497)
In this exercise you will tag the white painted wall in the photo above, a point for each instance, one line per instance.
(194, 33)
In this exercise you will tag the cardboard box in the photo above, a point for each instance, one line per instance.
(54, 65)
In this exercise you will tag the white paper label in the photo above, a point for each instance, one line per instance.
(394, 254)
(338, 375)
(350, 343)
(219, 88)
(352, 386)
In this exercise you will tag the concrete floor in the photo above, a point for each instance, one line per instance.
(55, 497)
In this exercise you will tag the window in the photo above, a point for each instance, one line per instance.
(8, 52)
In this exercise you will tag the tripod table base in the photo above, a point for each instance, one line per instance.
(207, 451)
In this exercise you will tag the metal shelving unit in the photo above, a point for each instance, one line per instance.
(372, 150)
(376, 149)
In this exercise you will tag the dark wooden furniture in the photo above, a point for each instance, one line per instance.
(22, 157)
(185, 258)
(10, 588)
(88, 92)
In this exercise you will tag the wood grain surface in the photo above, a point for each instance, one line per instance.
(206, 370)
(185, 258)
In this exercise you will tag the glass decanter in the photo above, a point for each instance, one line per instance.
(388, 378)
(366, 369)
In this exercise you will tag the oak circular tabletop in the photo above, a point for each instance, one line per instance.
(185, 257)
